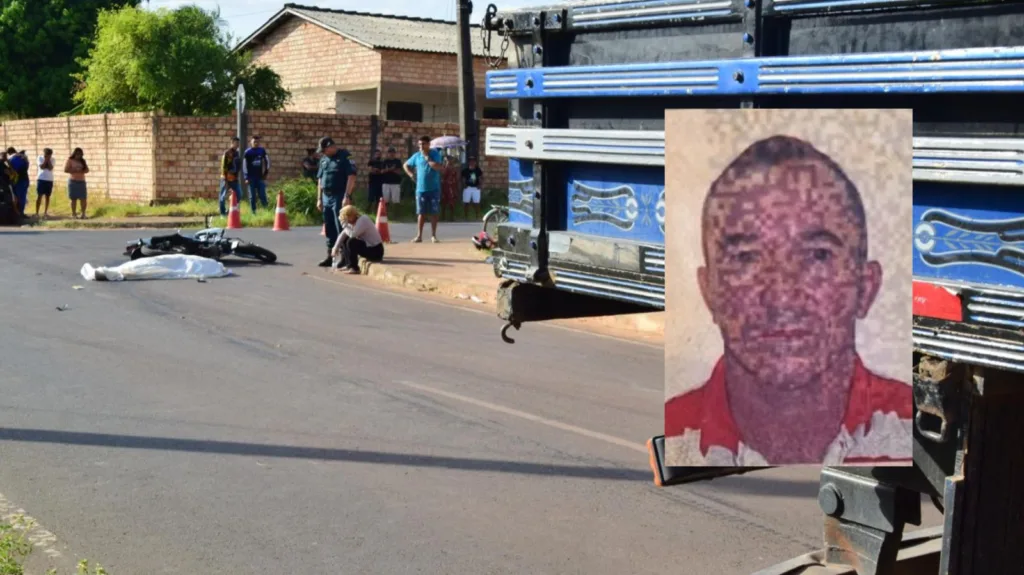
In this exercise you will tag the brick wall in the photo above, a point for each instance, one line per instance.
(116, 146)
(187, 151)
(308, 57)
(428, 69)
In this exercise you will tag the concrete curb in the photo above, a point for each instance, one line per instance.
(648, 326)
(393, 276)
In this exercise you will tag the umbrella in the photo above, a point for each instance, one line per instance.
(447, 142)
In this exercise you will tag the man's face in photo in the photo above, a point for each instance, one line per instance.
(786, 277)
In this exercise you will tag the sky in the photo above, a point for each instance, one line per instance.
(245, 16)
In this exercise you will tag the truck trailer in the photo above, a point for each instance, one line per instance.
(588, 84)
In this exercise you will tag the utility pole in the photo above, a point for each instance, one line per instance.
(468, 127)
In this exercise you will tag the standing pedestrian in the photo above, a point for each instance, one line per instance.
(336, 180)
(76, 168)
(230, 165)
(427, 164)
(19, 163)
(359, 238)
(450, 178)
(310, 164)
(375, 179)
(471, 178)
(8, 203)
(256, 168)
(44, 181)
(391, 178)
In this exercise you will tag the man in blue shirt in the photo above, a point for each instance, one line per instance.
(19, 163)
(428, 166)
(336, 177)
(255, 168)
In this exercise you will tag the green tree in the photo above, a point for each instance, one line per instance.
(40, 44)
(179, 62)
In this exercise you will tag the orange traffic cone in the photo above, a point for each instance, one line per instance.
(281, 216)
(382, 222)
(234, 216)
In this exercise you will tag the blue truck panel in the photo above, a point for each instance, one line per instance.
(589, 83)
(620, 202)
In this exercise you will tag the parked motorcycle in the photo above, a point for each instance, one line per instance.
(208, 243)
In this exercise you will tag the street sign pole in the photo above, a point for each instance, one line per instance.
(242, 119)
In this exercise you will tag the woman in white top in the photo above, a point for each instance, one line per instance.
(359, 238)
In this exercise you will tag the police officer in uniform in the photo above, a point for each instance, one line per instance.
(336, 177)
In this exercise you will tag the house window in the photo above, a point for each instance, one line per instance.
(405, 111)
(496, 113)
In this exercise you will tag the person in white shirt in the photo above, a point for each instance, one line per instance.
(359, 238)
(44, 182)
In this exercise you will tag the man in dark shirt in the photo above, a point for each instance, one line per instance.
(375, 180)
(472, 177)
(230, 165)
(337, 179)
(310, 164)
(256, 168)
(391, 177)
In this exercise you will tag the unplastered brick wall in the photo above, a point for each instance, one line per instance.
(187, 153)
(116, 147)
(428, 69)
(309, 58)
(152, 158)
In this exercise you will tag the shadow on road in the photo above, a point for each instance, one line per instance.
(768, 486)
(318, 453)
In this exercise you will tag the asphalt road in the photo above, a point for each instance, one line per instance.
(287, 421)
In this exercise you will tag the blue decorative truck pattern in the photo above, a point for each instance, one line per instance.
(970, 234)
(619, 202)
(520, 192)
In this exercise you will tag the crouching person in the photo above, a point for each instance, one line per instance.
(359, 238)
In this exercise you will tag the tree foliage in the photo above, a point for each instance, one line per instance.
(41, 42)
(179, 62)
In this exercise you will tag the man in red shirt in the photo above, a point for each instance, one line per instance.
(786, 276)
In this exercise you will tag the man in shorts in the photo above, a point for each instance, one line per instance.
(44, 181)
(428, 166)
(472, 176)
(391, 177)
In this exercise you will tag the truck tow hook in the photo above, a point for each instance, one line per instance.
(504, 331)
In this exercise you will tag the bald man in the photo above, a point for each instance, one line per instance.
(786, 276)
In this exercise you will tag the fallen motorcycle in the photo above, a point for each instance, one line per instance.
(208, 243)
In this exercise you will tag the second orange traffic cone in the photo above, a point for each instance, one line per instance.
(382, 222)
(234, 216)
(281, 216)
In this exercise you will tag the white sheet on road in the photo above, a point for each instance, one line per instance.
(169, 267)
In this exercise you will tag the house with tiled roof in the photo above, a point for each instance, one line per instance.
(398, 68)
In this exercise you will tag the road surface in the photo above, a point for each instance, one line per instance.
(288, 421)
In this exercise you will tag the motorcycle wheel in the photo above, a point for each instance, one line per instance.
(253, 251)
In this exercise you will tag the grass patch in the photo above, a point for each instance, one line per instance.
(300, 198)
(15, 549)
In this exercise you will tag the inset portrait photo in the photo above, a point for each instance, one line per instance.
(788, 283)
